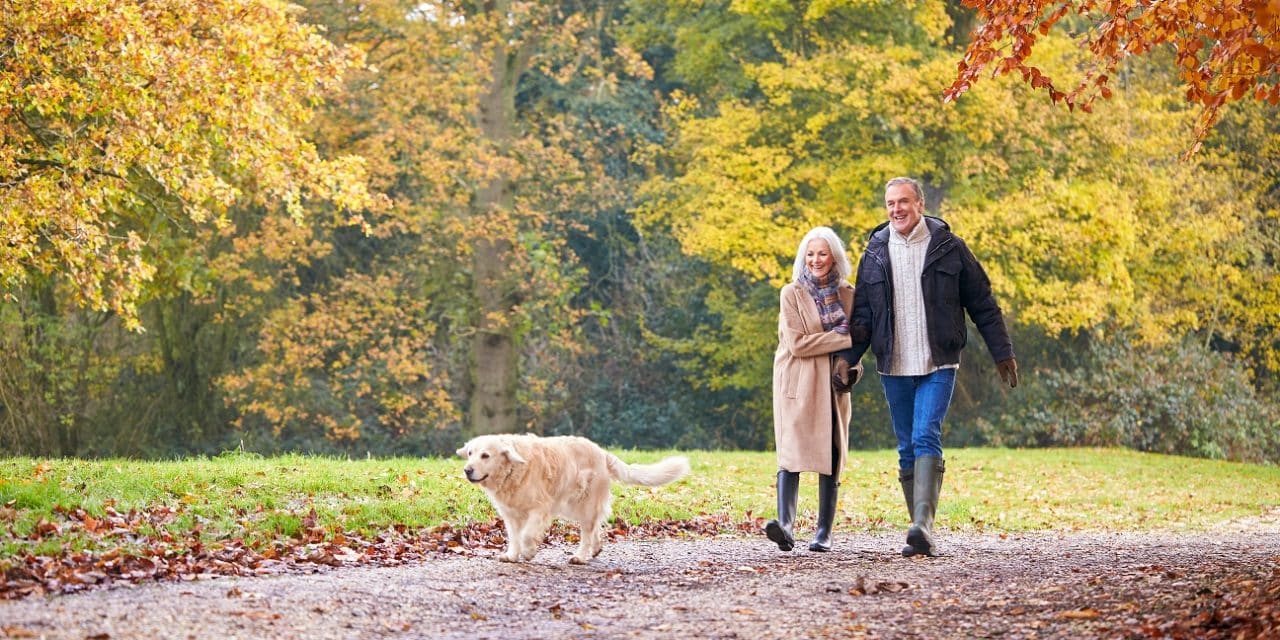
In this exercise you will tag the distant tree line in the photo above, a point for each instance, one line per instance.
(380, 227)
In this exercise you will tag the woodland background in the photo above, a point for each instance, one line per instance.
(379, 227)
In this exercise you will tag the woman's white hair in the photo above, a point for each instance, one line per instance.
(842, 266)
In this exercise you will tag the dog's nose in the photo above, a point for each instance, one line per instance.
(467, 472)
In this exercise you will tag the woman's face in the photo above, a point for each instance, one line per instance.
(817, 256)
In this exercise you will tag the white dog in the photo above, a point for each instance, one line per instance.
(531, 480)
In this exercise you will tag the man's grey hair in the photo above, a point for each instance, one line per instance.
(841, 259)
(915, 186)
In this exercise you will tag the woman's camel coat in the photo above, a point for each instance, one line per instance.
(802, 395)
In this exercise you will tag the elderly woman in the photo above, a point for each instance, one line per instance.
(810, 419)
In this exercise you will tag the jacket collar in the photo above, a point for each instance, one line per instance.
(940, 241)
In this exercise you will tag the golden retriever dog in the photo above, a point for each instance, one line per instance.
(530, 480)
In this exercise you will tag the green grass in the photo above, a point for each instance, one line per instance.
(251, 498)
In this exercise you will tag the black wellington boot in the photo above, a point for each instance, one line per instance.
(928, 484)
(828, 492)
(779, 531)
(907, 478)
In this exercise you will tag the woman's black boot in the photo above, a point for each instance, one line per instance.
(779, 531)
(828, 492)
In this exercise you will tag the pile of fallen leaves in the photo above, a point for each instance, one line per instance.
(143, 549)
(1244, 606)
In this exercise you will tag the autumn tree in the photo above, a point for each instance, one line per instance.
(533, 169)
(128, 131)
(474, 121)
(122, 119)
(1223, 51)
(1065, 212)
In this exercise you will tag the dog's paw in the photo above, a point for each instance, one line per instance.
(578, 560)
(507, 556)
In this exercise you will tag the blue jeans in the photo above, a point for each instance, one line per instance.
(917, 405)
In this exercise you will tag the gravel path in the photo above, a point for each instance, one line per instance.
(1014, 586)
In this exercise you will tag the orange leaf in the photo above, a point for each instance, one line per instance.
(1080, 614)
(44, 527)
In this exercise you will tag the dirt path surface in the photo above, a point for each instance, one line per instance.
(1015, 586)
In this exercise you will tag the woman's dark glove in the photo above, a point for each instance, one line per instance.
(843, 376)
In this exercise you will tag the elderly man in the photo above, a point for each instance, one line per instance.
(915, 282)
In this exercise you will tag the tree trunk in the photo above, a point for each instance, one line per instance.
(495, 352)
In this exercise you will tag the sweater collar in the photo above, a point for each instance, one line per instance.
(919, 234)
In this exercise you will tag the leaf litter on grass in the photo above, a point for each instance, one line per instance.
(141, 548)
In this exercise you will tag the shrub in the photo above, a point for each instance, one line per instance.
(1180, 399)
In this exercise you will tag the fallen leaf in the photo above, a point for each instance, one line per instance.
(1080, 614)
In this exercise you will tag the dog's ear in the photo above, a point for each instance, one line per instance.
(511, 453)
(462, 452)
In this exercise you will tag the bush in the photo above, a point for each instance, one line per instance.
(1181, 399)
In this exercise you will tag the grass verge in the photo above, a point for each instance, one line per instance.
(256, 501)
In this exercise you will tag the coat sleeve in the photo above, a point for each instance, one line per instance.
(792, 332)
(859, 321)
(980, 303)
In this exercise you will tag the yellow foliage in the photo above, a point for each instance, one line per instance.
(1084, 222)
(365, 350)
(121, 117)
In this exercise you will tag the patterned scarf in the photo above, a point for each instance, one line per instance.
(825, 292)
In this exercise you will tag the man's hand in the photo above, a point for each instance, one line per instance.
(841, 377)
(1008, 372)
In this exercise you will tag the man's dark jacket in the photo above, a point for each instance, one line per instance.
(952, 282)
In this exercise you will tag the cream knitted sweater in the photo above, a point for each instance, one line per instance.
(911, 354)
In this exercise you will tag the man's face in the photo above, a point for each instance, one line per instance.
(905, 209)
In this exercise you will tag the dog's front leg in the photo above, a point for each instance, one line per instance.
(514, 537)
(533, 533)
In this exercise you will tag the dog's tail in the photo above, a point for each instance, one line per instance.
(662, 472)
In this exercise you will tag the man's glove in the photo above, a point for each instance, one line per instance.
(1008, 372)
